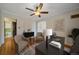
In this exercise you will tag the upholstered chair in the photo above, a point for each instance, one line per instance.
(39, 37)
(75, 47)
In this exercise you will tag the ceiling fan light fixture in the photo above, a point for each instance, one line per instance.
(37, 13)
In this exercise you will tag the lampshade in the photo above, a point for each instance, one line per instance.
(48, 32)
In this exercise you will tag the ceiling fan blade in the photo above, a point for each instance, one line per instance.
(32, 14)
(29, 9)
(40, 5)
(44, 12)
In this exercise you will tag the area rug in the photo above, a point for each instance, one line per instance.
(30, 50)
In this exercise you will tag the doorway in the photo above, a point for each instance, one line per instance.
(10, 27)
(14, 28)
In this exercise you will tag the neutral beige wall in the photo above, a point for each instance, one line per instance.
(22, 24)
(69, 24)
(0, 23)
(27, 24)
(19, 26)
(52, 24)
(1, 30)
(0, 27)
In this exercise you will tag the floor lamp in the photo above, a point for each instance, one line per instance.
(48, 34)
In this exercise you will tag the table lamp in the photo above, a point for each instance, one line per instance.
(48, 34)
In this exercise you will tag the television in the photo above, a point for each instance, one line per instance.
(28, 34)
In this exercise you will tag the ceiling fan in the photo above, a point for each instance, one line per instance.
(37, 10)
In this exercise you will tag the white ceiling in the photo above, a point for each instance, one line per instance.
(53, 8)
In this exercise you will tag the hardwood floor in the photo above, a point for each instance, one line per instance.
(8, 48)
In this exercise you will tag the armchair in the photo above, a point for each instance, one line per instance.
(75, 47)
(39, 37)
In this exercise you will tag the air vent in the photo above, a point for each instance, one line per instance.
(75, 16)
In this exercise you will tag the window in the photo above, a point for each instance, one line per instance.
(41, 26)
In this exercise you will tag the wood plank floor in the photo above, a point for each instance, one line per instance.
(8, 48)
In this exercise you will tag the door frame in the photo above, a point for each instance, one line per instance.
(4, 28)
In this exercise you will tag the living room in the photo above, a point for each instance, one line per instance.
(61, 18)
